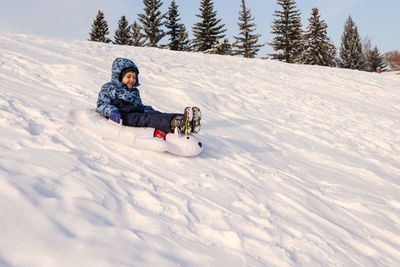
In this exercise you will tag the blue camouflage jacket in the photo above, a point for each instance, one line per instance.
(115, 89)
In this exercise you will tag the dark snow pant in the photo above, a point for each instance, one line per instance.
(133, 115)
(154, 119)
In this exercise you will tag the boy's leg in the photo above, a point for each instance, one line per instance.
(155, 119)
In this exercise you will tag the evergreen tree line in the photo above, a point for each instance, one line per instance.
(291, 43)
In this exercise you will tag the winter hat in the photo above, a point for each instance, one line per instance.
(126, 70)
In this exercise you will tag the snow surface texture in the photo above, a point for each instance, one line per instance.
(301, 164)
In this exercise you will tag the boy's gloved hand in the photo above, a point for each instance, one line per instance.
(115, 116)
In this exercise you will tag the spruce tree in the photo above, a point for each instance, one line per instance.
(208, 31)
(137, 37)
(183, 39)
(288, 34)
(122, 35)
(374, 60)
(99, 29)
(350, 54)
(246, 44)
(152, 20)
(318, 50)
(176, 30)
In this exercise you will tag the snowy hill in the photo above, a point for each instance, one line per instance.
(301, 164)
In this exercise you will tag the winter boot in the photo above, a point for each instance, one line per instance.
(185, 123)
(186, 120)
(178, 124)
(196, 117)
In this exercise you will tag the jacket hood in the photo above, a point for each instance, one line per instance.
(118, 65)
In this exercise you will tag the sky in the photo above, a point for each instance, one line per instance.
(376, 20)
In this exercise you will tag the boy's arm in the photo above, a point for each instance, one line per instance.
(104, 101)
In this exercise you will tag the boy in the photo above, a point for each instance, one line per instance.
(120, 99)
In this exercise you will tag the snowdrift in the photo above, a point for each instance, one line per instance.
(301, 166)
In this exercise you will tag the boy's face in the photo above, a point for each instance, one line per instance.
(129, 79)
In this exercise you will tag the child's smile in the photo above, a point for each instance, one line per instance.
(129, 79)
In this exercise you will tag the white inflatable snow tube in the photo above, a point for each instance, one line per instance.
(137, 137)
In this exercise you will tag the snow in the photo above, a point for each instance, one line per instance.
(301, 164)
